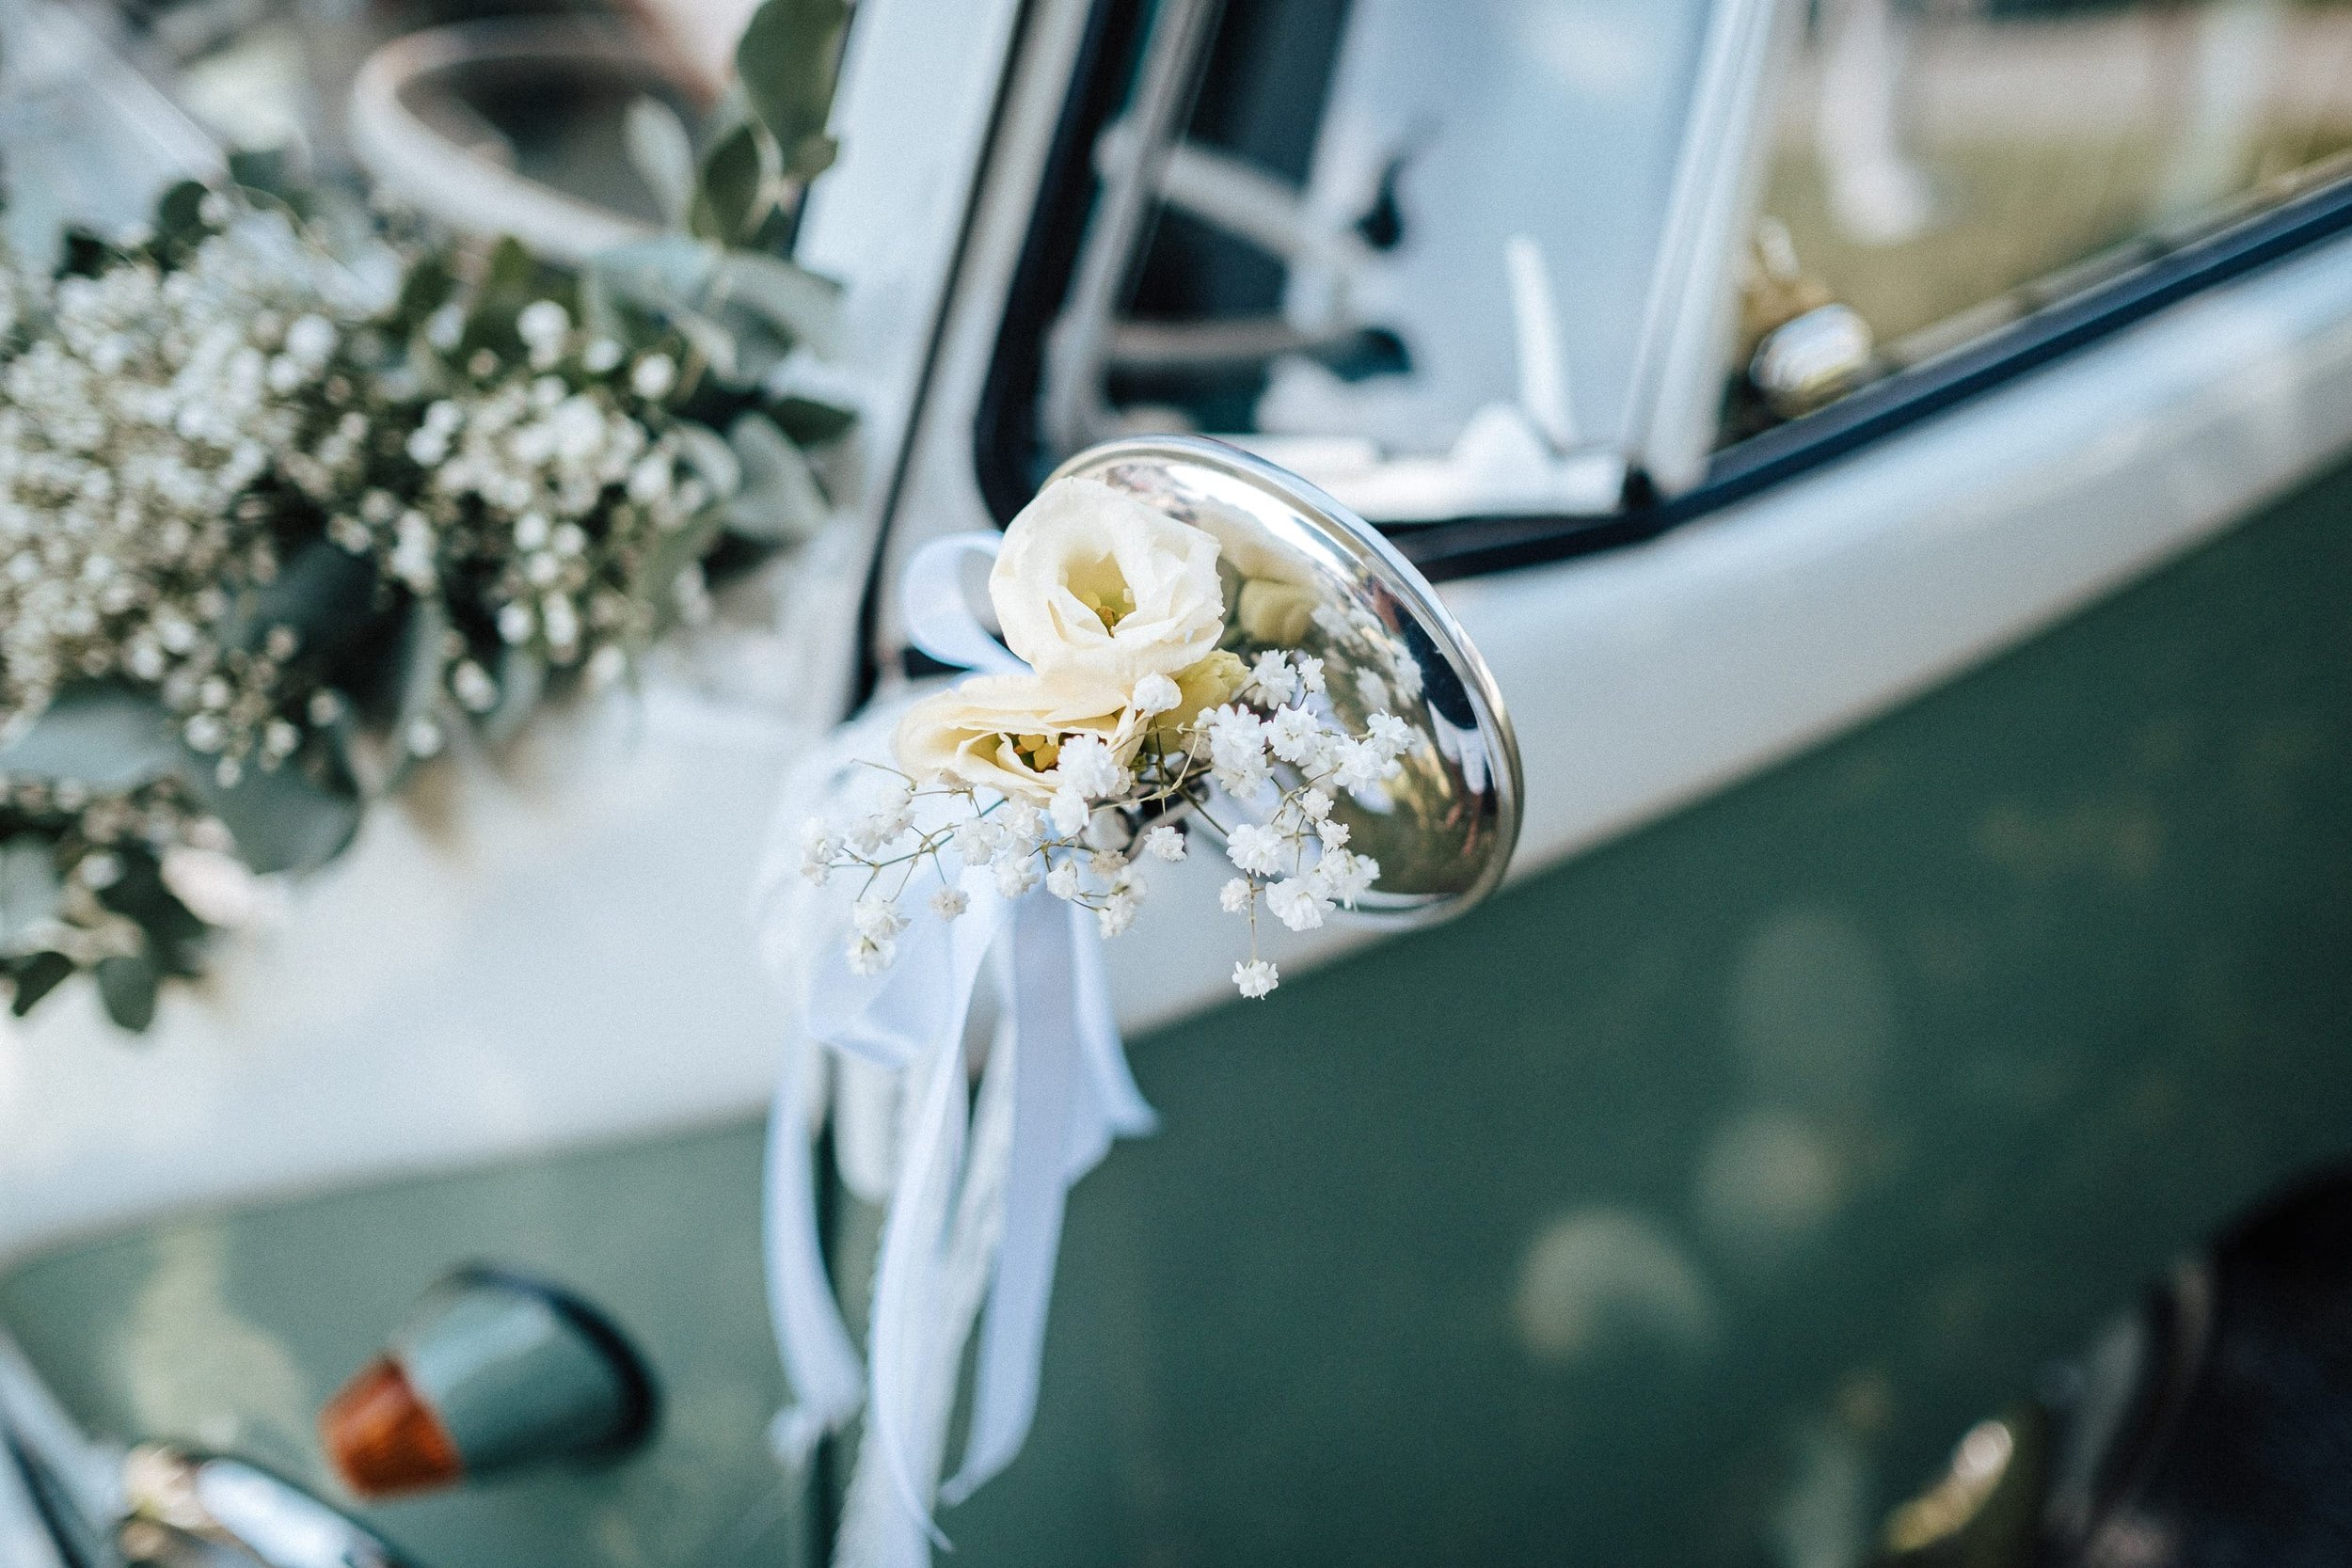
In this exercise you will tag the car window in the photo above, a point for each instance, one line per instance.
(1409, 247)
(1943, 167)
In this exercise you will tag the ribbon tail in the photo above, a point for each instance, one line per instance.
(827, 1378)
(912, 1388)
(1042, 1037)
(904, 1280)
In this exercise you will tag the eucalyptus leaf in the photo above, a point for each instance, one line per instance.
(179, 224)
(710, 457)
(101, 734)
(780, 501)
(428, 286)
(809, 423)
(677, 551)
(35, 977)
(268, 170)
(126, 984)
(788, 61)
(806, 307)
(666, 272)
(514, 278)
(737, 184)
(662, 153)
(292, 817)
(175, 936)
(523, 677)
(721, 349)
(814, 155)
(420, 658)
(325, 593)
(30, 888)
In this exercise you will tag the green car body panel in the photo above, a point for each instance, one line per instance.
(1680, 1206)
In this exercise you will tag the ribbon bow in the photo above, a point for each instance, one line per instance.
(976, 1192)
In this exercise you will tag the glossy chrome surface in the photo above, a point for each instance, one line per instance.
(153, 1503)
(1304, 572)
(1812, 359)
(189, 1509)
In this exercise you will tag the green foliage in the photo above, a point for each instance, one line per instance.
(737, 185)
(789, 61)
(106, 780)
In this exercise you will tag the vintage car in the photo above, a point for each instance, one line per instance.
(1888, 455)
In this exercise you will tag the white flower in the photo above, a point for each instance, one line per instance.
(1007, 733)
(1316, 805)
(1255, 848)
(1163, 842)
(652, 376)
(1332, 833)
(1360, 766)
(1014, 877)
(1344, 876)
(868, 957)
(1089, 580)
(1062, 882)
(543, 322)
(877, 918)
(1272, 678)
(310, 338)
(473, 687)
(818, 850)
(1255, 978)
(1291, 733)
(1392, 734)
(1021, 826)
(950, 902)
(1069, 810)
(1156, 694)
(975, 840)
(891, 815)
(1117, 913)
(1238, 742)
(1310, 673)
(1235, 896)
(1090, 767)
(1297, 904)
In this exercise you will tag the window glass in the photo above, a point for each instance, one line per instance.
(1943, 167)
(1405, 246)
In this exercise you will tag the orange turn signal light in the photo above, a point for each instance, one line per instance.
(492, 1374)
(384, 1439)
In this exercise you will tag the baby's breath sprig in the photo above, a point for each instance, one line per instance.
(1276, 750)
(271, 532)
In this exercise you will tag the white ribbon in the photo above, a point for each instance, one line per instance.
(977, 1199)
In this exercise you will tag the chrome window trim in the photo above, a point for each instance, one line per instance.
(1677, 397)
(1472, 546)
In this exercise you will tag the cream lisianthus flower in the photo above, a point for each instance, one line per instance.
(1005, 733)
(1092, 583)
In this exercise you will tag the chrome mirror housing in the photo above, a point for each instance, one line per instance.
(1302, 572)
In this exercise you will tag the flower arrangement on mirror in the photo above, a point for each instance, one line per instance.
(290, 490)
(1131, 720)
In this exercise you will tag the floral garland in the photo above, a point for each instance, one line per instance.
(288, 492)
(1130, 721)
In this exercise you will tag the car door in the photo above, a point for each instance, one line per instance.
(1929, 918)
